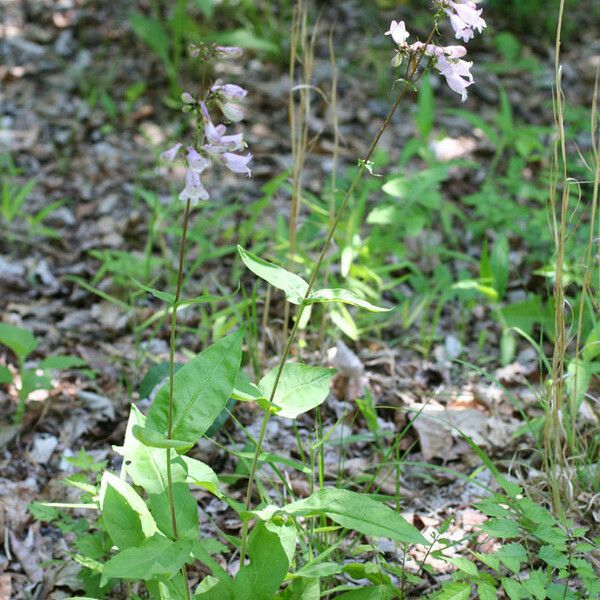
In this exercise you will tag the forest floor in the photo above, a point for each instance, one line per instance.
(72, 120)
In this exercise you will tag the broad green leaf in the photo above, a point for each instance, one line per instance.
(294, 287)
(147, 466)
(376, 592)
(490, 560)
(455, 591)
(486, 591)
(514, 590)
(201, 475)
(512, 555)
(536, 584)
(156, 557)
(244, 390)
(5, 375)
(268, 566)
(186, 512)
(300, 388)
(343, 296)
(360, 513)
(302, 588)
(164, 296)
(21, 341)
(553, 557)
(501, 528)
(124, 514)
(61, 362)
(464, 564)
(153, 439)
(202, 388)
(322, 569)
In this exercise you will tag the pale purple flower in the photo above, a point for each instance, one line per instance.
(398, 32)
(229, 51)
(196, 162)
(228, 91)
(232, 110)
(193, 190)
(171, 153)
(187, 98)
(464, 18)
(237, 163)
(457, 73)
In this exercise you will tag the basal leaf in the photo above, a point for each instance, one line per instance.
(360, 513)
(300, 388)
(21, 341)
(156, 557)
(294, 287)
(202, 388)
(343, 296)
(5, 375)
(124, 514)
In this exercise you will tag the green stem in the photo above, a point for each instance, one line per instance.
(186, 219)
(303, 305)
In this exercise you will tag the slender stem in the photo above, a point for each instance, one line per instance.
(303, 305)
(186, 219)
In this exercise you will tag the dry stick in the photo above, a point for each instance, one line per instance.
(587, 281)
(311, 282)
(186, 219)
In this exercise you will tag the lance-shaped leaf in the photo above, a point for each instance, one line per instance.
(124, 514)
(152, 438)
(300, 388)
(202, 388)
(360, 513)
(343, 296)
(147, 466)
(294, 287)
(156, 557)
(187, 512)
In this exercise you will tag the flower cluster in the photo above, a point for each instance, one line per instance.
(215, 146)
(465, 19)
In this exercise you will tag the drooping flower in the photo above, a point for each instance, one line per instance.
(398, 32)
(193, 190)
(229, 51)
(237, 163)
(457, 73)
(228, 91)
(228, 97)
(465, 18)
(172, 152)
(196, 162)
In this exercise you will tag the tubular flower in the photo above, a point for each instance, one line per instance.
(465, 18)
(398, 32)
(193, 190)
(228, 97)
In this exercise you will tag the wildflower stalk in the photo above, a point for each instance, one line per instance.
(408, 85)
(186, 219)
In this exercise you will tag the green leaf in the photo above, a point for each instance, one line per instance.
(343, 296)
(164, 296)
(501, 528)
(244, 38)
(61, 362)
(268, 566)
(147, 466)
(155, 376)
(202, 388)
(490, 560)
(153, 439)
(376, 592)
(300, 388)
(201, 475)
(360, 513)
(455, 591)
(553, 557)
(5, 375)
(500, 264)
(514, 590)
(293, 286)
(536, 584)
(486, 591)
(464, 564)
(124, 514)
(244, 390)
(512, 555)
(186, 508)
(21, 341)
(156, 557)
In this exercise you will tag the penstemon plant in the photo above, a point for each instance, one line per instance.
(148, 511)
